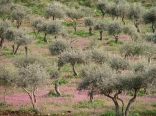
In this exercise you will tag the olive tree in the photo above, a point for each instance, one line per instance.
(19, 13)
(55, 10)
(58, 46)
(131, 31)
(4, 25)
(30, 78)
(75, 15)
(7, 77)
(115, 28)
(37, 24)
(135, 13)
(111, 10)
(71, 57)
(149, 17)
(89, 22)
(98, 56)
(55, 28)
(102, 6)
(55, 74)
(133, 49)
(100, 26)
(91, 76)
(21, 38)
(111, 85)
(5, 8)
(150, 51)
(51, 27)
(122, 9)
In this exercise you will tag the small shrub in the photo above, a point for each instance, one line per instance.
(22, 110)
(9, 110)
(141, 93)
(2, 104)
(58, 46)
(33, 110)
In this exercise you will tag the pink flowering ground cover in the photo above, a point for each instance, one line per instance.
(18, 99)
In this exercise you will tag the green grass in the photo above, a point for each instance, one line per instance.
(87, 104)
(61, 81)
(52, 93)
(68, 24)
(8, 54)
(5, 48)
(80, 33)
(113, 43)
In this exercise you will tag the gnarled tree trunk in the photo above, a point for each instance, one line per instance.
(57, 89)
(16, 49)
(90, 30)
(74, 71)
(131, 102)
(100, 35)
(45, 37)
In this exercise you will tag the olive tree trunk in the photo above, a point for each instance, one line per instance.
(32, 96)
(57, 89)
(74, 26)
(15, 52)
(26, 51)
(1, 42)
(101, 34)
(5, 90)
(45, 37)
(131, 101)
(153, 27)
(116, 38)
(90, 30)
(74, 71)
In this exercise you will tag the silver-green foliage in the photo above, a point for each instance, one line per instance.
(102, 6)
(22, 38)
(30, 78)
(54, 28)
(149, 17)
(93, 75)
(98, 56)
(19, 13)
(55, 10)
(151, 37)
(54, 73)
(23, 61)
(133, 49)
(75, 14)
(58, 46)
(72, 57)
(114, 28)
(4, 25)
(89, 21)
(7, 75)
(118, 63)
(33, 75)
